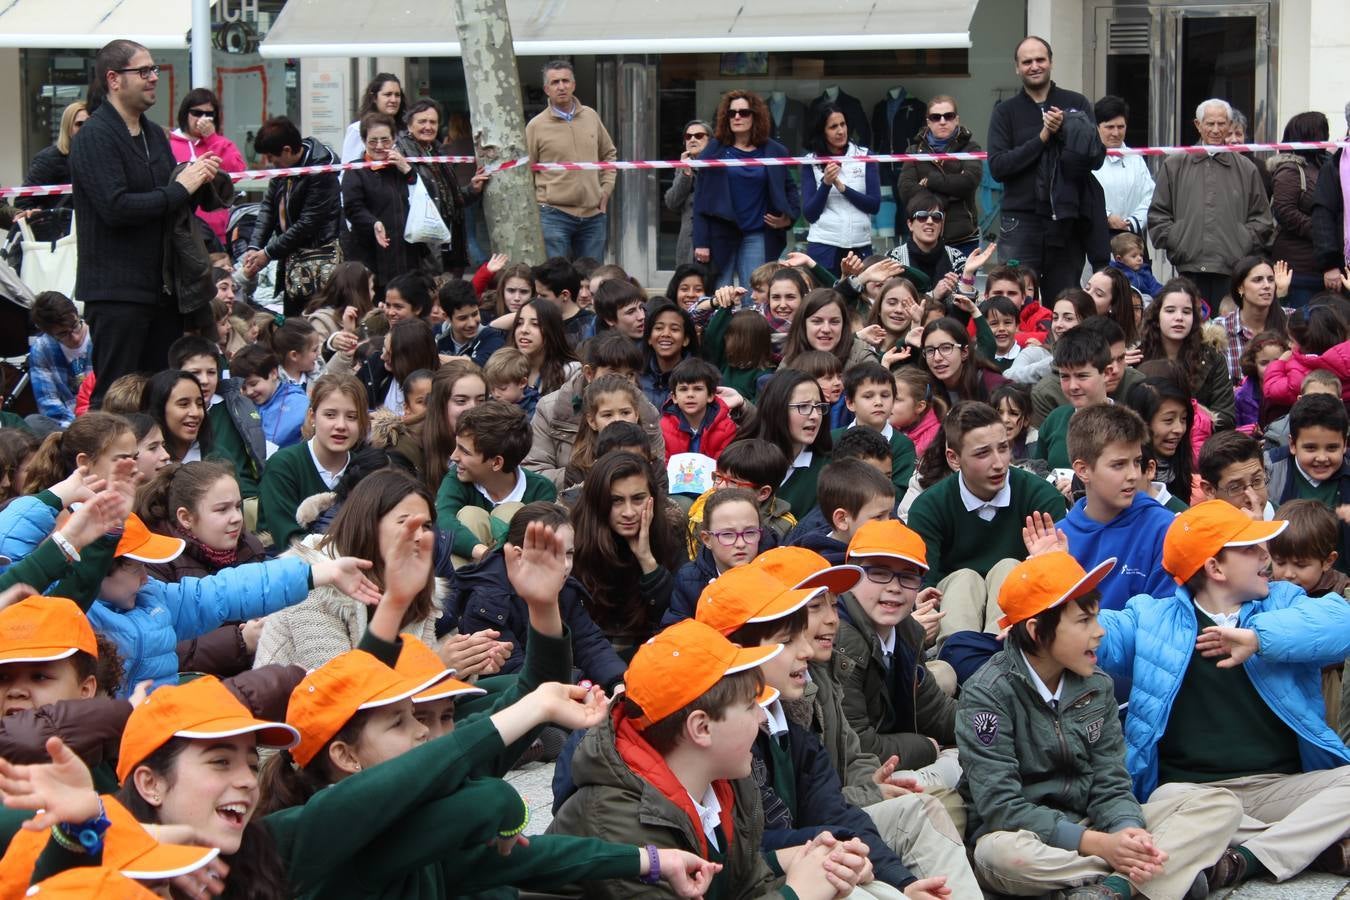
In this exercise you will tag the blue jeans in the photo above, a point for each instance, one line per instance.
(748, 257)
(572, 236)
(1302, 289)
(475, 234)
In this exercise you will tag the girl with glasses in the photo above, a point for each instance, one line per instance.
(838, 198)
(956, 368)
(730, 535)
(793, 416)
(200, 131)
(953, 181)
(679, 197)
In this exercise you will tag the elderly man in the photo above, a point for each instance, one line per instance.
(1210, 209)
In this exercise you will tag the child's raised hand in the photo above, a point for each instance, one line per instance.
(537, 568)
(61, 791)
(882, 270)
(497, 262)
(77, 487)
(1041, 536)
(1236, 645)
(571, 706)
(347, 574)
(797, 259)
(731, 397)
(688, 875)
(897, 354)
(873, 335)
(408, 560)
(728, 297)
(103, 513)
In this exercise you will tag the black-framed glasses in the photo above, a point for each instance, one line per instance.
(202, 112)
(942, 117)
(939, 350)
(729, 538)
(885, 575)
(806, 410)
(740, 113)
(924, 215)
(695, 135)
(144, 71)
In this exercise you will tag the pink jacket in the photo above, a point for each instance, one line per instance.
(1284, 377)
(186, 150)
(923, 431)
(1201, 428)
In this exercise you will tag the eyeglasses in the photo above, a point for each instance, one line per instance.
(722, 479)
(380, 142)
(144, 71)
(939, 350)
(696, 135)
(885, 575)
(806, 410)
(740, 113)
(66, 334)
(1236, 489)
(942, 117)
(202, 112)
(731, 538)
(924, 215)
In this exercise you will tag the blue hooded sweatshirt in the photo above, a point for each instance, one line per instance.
(1134, 538)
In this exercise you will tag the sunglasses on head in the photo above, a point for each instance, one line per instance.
(942, 117)
(740, 113)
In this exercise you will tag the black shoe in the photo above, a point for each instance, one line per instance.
(1335, 859)
(1231, 869)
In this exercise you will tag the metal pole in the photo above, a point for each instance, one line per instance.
(201, 43)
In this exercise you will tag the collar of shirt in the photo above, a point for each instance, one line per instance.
(777, 722)
(1223, 620)
(517, 493)
(566, 116)
(329, 479)
(1046, 695)
(1015, 349)
(1306, 477)
(1232, 323)
(709, 811)
(980, 507)
(193, 454)
(215, 398)
(886, 430)
(803, 461)
(888, 644)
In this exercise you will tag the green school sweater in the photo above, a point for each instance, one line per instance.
(1052, 443)
(799, 491)
(455, 495)
(902, 458)
(957, 539)
(290, 477)
(229, 447)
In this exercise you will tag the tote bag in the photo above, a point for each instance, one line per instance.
(48, 265)
(424, 219)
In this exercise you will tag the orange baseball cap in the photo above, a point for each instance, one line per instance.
(1202, 531)
(329, 696)
(748, 594)
(891, 539)
(802, 568)
(134, 852)
(200, 709)
(140, 543)
(1044, 582)
(682, 663)
(42, 629)
(84, 882)
(416, 660)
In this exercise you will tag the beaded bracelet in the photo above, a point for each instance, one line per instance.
(85, 838)
(514, 832)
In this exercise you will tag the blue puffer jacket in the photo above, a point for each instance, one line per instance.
(1152, 639)
(25, 522)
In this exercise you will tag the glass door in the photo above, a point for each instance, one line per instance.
(1217, 51)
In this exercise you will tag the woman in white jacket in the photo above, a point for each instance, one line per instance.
(838, 198)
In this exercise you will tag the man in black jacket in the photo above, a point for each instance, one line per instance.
(1043, 223)
(125, 194)
(300, 212)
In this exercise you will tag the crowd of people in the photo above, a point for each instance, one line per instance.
(940, 572)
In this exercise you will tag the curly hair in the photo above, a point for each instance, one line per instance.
(759, 119)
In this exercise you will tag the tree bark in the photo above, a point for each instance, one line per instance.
(498, 117)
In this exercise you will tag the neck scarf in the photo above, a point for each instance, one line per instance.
(216, 559)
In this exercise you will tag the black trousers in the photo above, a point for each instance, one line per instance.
(1213, 288)
(127, 338)
(1055, 251)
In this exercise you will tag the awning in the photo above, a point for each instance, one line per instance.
(89, 24)
(565, 27)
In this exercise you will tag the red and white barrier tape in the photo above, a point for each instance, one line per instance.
(646, 164)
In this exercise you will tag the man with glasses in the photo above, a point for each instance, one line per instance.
(571, 204)
(679, 196)
(954, 181)
(1232, 469)
(948, 269)
(125, 195)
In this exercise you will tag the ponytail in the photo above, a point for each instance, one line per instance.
(178, 486)
(283, 784)
(91, 434)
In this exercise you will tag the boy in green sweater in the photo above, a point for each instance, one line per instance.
(869, 392)
(487, 483)
(971, 523)
(1082, 358)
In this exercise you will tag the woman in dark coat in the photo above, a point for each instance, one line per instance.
(375, 205)
(423, 139)
(51, 165)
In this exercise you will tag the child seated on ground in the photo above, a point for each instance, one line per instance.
(850, 493)
(281, 404)
(1001, 314)
(1314, 467)
(606, 400)
(464, 333)
(1013, 402)
(758, 466)
(1082, 358)
(1127, 255)
(1116, 518)
(1227, 693)
(59, 357)
(828, 371)
(695, 419)
(1260, 352)
(730, 534)
(869, 393)
(507, 375)
(1047, 794)
(486, 484)
(236, 425)
(915, 414)
(1318, 381)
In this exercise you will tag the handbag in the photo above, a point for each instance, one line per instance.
(424, 225)
(309, 270)
(48, 265)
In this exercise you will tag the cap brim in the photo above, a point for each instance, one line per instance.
(158, 549)
(36, 654)
(1257, 533)
(1087, 583)
(446, 687)
(270, 734)
(886, 553)
(767, 697)
(169, 861)
(403, 690)
(747, 658)
(835, 579)
(787, 603)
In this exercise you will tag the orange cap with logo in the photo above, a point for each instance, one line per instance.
(418, 661)
(140, 543)
(199, 710)
(891, 539)
(748, 594)
(1044, 582)
(799, 568)
(42, 629)
(328, 697)
(682, 663)
(1199, 533)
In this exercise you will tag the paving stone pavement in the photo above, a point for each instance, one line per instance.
(535, 784)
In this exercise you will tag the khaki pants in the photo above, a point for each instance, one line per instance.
(918, 829)
(1192, 827)
(479, 523)
(970, 600)
(1287, 819)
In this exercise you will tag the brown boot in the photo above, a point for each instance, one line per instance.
(1231, 869)
(1335, 859)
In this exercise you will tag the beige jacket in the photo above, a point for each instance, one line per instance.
(584, 139)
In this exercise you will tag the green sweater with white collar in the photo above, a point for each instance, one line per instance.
(455, 495)
(289, 478)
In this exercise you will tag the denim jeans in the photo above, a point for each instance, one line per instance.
(572, 236)
(749, 256)
(476, 237)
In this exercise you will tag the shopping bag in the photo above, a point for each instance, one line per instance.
(424, 219)
(48, 265)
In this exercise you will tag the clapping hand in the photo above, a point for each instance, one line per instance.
(1284, 276)
(976, 260)
(60, 792)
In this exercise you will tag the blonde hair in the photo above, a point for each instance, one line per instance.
(68, 125)
(506, 366)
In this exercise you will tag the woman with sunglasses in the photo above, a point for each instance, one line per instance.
(200, 131)
(742, 213)
(838, 198)
(953, 181)
(947, 269)
(679, 196)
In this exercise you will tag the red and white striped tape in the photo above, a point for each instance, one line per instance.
(646, 164)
